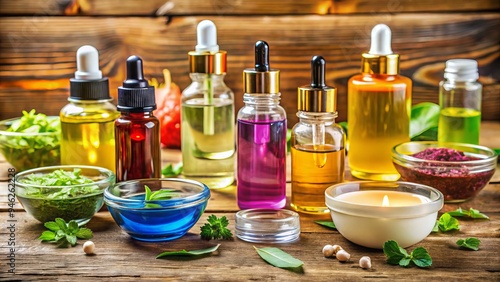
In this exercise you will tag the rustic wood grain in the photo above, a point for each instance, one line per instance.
(228, 7)
(38, 54)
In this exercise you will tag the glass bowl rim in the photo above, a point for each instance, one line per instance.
(383, 212)
(447, 145)
(173, 203)
(110, 176)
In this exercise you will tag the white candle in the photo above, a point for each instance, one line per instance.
(370, 217)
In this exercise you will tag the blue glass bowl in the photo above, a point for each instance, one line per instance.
(159, 220)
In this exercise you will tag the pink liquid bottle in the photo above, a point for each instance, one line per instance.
(261, 137)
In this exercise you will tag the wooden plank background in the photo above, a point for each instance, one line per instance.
(39, 39)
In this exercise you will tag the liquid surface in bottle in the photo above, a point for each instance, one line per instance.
(459, 125)
(138, 148)
(208, 142)
(89, 143)
(261, 164)
(314, 169)
(379, 119)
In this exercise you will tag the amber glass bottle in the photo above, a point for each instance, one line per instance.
(379, 108)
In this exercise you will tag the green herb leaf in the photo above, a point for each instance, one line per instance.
(398, 256)
(147, 194)
(216, 228)
(51, 226)
(172, 170)
(185, 253)
(394, 253)
(47, 236)
(162, 194)
(278, 258)
(420, 257)
(469, 243)
(424, 116)
(472, 213)
(84, 233)
(447, 223)
(64, 232)
(326, 223)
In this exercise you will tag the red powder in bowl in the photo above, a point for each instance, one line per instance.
(455, 181)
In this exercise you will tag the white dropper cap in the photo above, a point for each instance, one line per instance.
(87, 63)
(206, 37)
(381, 40)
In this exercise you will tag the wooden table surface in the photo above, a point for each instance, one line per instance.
(120, 258)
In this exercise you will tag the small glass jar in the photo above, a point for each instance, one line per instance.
(267, 226)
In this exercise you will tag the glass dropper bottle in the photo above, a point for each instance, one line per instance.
(261, 137)
(318, 143)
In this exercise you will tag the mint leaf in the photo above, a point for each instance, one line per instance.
(62, 225)
(47, 236)
(172, 170)
(471, 213)
(447, 223)
(162, 194)
(72, 227)
(84, 233)
(185, 253)
(71, 239)
(51, 226)
(420, 257)
(326, 223)
(405, 262)
(394, 253)
(278, 258)
(469, 243)
(147, 194)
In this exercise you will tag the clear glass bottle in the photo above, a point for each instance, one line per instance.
(318, 144)
(87, 122)
(261, 140)
(379, 109)
(460, 100)
(137, 130)
(207, 115)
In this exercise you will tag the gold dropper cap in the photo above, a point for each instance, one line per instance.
(207, 62)
(261, 79)
(380, 59)
(317, 97)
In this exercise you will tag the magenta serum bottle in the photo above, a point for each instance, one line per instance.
(261, 137)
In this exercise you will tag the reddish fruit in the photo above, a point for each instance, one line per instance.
(168, 111)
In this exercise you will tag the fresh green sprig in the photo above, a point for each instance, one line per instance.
(448, 223)
(64, 233)
(162, 194)
(471, 213)
(399, 256)
(216, 228)
(469, 243)
(172, 170)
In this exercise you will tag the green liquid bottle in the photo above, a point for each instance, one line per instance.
(460, 102)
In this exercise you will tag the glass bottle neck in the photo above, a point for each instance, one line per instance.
(261, 99)
(313, 117)
(200, 77)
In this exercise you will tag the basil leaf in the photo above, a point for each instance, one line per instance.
(278, 258)
(421, 257)
(326, 223)
(469, 243)
(424, 116)
(185, 253)
(447, 223)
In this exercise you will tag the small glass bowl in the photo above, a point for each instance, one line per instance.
(162, 220)
(362, 216)
(457, 180)
(267, 226)
(25, 150)
(71, 202)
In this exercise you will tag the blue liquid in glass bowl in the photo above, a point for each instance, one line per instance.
(169, 219)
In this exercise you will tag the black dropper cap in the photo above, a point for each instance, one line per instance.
(261, 79)
(136, 95)
(317, 97)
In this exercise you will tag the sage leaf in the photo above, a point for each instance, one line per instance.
(277, 257)
(424, 116)
(326, 223)
(469, 243)
(184, 253)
